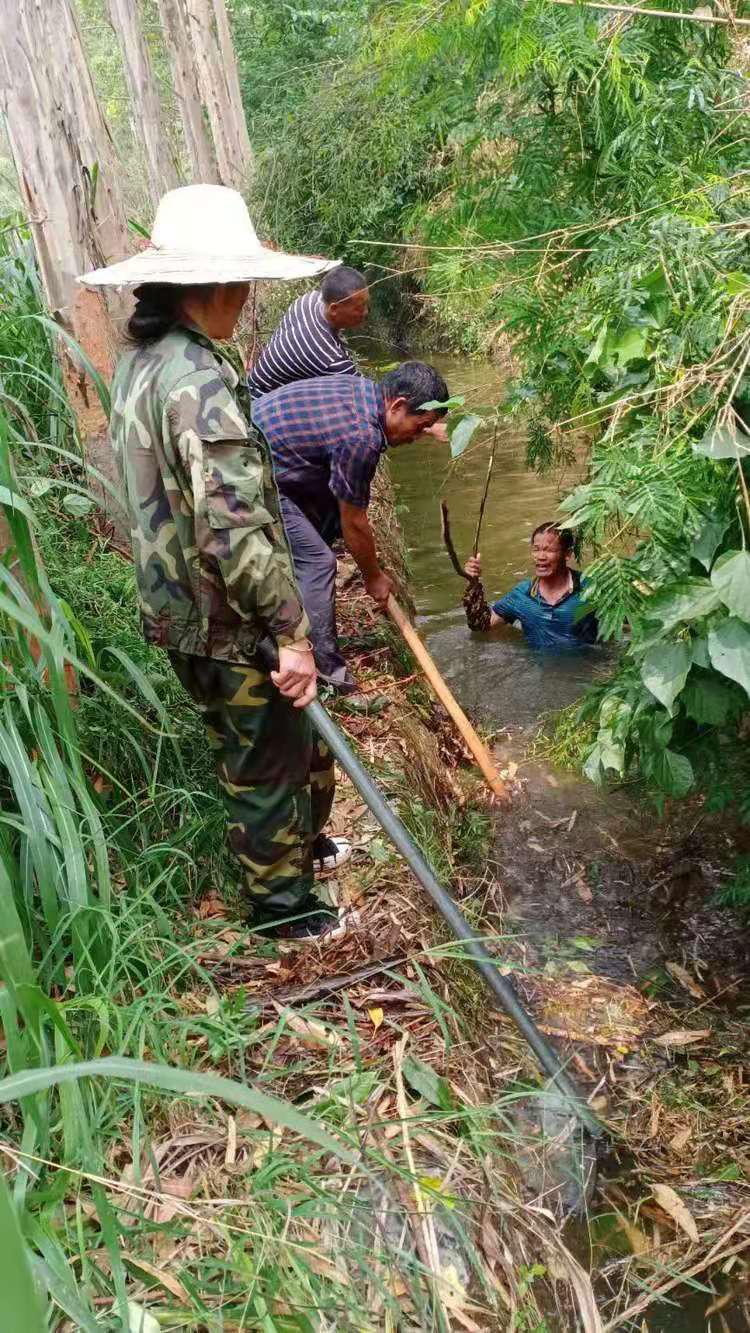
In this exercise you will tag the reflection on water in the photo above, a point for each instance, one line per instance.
(495, 676)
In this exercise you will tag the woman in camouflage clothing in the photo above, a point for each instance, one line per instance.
(213, 569)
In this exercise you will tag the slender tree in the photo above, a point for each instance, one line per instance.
(144, 96)
(231, 73)
(68, 179)
(218, 79)
(178, 41)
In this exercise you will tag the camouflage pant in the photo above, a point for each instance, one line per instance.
(276, 774)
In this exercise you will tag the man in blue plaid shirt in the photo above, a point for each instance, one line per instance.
(326, 437)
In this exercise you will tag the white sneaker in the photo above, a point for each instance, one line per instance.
(330, 853)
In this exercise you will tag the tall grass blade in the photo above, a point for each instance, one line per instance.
(80, 356)
(22, 1310)
(183, 1081)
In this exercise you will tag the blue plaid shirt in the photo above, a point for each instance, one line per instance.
(326, 436)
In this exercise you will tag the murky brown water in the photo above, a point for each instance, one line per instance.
(575, 862)
(495, 676)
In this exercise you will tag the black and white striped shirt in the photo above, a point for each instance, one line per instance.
(303, 347)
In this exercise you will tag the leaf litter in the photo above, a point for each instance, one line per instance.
(436, 1217)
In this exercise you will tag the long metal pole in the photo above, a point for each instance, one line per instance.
(501, 989)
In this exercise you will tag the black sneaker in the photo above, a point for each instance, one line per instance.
(330, 853)
(322, 925)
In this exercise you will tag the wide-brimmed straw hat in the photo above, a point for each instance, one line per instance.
(203, 234)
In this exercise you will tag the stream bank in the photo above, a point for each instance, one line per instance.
(386, 1038)
(608, 913)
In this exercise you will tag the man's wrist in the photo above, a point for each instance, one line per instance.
(299, 646)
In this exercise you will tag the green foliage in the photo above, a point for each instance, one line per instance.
(30, 383)
(592, 208)
(577, 182)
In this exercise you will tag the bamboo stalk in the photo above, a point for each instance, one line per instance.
(657, 13)
(452, 707)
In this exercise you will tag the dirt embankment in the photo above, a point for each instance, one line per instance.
(431, 1074)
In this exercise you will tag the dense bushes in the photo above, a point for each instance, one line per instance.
(579, 182)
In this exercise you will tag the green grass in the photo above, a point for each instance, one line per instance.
(121, 1048)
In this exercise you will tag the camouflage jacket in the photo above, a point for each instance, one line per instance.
(213, 569)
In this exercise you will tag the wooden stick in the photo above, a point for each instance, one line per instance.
(445, 528)
(486, 491)
(441, 692)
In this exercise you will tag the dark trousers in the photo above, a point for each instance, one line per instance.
(315, 570)
(276, 775)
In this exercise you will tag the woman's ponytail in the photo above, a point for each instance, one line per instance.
(157, 309)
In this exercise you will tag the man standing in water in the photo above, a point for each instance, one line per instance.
(550, 608)
(308, 341)
(326, 437)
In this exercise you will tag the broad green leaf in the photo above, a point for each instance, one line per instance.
(613, 348)
(672, 772)
(723, 441)
(729, 650)
(700, 652)
(76, 504)
(611, 754)
(38, 486)
(665, 669)
(22, 1311)
(709, 701)
(463, 433)
(448, 404)
(629, 345)
(428, 1083)
(684, 601)
(731, 579)
(606, 756)
(705, 544)
(593, 769)
(737, 283)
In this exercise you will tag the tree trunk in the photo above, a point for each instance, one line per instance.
(178, 41)
(219, 85)
(68, 178)
(144, 97)
(231, 72)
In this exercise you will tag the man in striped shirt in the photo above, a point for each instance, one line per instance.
(308, 341)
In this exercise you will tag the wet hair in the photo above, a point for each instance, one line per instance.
(341, 283)
(567, 540)
(418, 384)
(157, 309)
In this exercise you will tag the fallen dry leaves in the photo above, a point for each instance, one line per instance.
(671, 1203)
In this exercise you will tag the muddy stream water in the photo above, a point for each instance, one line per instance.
(588, 878)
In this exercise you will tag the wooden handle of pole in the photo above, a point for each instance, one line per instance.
(441, 692)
